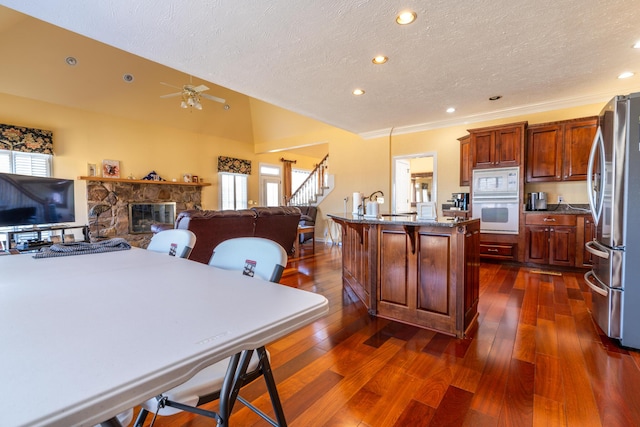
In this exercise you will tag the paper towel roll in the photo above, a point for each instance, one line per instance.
(357, 201)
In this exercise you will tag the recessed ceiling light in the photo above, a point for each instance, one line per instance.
(451, 110)
(495, 97)
(71, 61)
(625, 75)
(406, 17)
(637, 45)
(127, 78)
(380, 59)
(358, 92)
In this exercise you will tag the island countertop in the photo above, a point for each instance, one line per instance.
(401, 219)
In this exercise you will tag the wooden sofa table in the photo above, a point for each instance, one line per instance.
(304, 229)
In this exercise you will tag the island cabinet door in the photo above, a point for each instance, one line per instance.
(356, 268)
(415, 279)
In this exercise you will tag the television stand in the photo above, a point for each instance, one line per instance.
(33, 236)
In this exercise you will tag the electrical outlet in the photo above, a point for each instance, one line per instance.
(560, 199)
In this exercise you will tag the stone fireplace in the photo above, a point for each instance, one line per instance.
(109, 202)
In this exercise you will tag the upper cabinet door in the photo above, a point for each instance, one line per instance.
(484, 149)
(465, 160)
(578, 138)
(544, 153)
(508, 145)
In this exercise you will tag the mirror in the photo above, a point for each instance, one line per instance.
(414, 181)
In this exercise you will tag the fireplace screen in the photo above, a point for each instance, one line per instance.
(143, 215)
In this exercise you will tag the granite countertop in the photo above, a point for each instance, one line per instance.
(563, 209)
(400, 219)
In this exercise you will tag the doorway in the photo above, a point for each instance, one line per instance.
(414, 181)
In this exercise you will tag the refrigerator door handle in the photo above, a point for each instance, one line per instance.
(595, 287)
(596, 205)
(595, 249)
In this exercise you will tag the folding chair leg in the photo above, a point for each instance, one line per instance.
(141, 417)
(271, 387)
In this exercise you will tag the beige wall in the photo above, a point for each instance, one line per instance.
(358, 165)
(82, 137)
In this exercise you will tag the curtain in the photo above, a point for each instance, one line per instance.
(286, 180)
(233, 165)
(27, 140)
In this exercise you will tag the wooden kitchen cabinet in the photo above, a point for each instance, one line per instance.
(578, 138)
(550, 239)
(585, 232)
(497, 146)
(559, 151)
(465, 160)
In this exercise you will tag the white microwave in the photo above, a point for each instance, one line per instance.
(496, 184)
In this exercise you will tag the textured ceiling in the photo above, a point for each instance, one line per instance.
(307, 57)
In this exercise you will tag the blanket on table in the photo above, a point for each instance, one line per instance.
(82, 248)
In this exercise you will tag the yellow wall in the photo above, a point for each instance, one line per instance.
(82, 137)
(358, 165)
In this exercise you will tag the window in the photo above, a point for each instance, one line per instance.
(25, 163)
(233, 190)
(298, 176)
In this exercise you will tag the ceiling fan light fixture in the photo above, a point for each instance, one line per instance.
(183, 105)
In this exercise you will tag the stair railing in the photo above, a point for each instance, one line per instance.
(312, 187)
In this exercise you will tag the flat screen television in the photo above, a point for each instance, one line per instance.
(33, 200)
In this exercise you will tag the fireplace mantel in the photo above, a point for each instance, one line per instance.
(142, 181)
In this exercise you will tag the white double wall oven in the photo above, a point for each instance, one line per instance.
(495, 199)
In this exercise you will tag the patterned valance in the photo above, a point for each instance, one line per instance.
(27, 140)
(229, 164)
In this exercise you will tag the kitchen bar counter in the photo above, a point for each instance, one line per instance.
(423, 273)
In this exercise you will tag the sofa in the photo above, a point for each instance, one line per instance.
(279, 224)
(307, 217)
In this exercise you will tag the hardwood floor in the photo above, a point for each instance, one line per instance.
(536, 359)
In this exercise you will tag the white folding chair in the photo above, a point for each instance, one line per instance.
(175, 242)
(250, 256)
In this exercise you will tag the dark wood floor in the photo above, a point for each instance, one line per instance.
(536, 359)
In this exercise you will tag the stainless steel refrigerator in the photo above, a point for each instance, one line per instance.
(613, 186)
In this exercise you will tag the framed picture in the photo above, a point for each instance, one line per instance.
(91, 169)
(194, 178)
(186, 177)
(111, 168)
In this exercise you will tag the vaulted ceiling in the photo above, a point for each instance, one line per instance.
(307, 57)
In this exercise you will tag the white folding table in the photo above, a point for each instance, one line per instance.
(86, 337)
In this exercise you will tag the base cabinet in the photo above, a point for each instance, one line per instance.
(551, 239)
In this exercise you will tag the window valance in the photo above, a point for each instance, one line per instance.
(230, 164)
(27, 140)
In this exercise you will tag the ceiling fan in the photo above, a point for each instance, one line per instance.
(191, 95)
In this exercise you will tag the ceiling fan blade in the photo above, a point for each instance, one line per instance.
(167, 84)
(171, 95)
(200, 88)
(213, 98)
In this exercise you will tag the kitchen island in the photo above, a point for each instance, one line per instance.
(424, 273)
